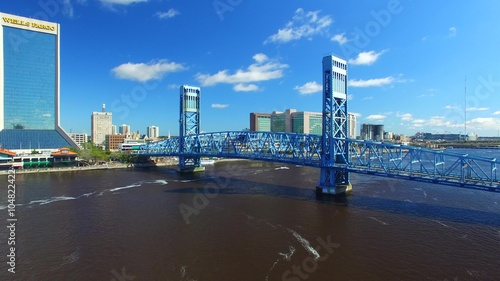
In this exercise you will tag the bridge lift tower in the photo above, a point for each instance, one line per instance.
(189, 124)
(334, 150)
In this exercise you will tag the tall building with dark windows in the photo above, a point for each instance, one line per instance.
(29, 85)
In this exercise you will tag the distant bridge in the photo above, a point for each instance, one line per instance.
(332, 152)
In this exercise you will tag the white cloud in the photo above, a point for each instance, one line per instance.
(496, 113)
(245, 87)
(485, 123)
(367, 98)
(450, 107)
(452, 31)
(366, 58)
(433, 122)
(122, 2)
(303, 24)
(260, 58)
(218, 105)
(405, 116)
(356, 114)
(477, 108)
(256, 72)
(376, 117)
(168, 14)
(309, 88)
(376, 82)
(340, 38)
(144, 72)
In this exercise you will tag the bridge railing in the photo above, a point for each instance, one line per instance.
(437, 166)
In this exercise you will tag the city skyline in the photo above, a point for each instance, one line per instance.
(406, 74)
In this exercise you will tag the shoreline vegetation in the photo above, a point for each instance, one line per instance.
(106, 166)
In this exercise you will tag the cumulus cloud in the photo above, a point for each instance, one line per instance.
(477, 108)
(240, 87)
(309, 88)
(484, 123)
(218, 105)
(496, 113)
(376, 82)
(260, 58)
(303, 25)
(143, 72)
(434, 122)
(340, 38)
(262, 69)
(450, 107)
(405, 116)
(168, 14)
(452, 31)
(376, 117)
(366, 58)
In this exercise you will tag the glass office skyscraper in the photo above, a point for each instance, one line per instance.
(29, 88)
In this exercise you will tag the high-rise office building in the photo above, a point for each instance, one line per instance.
(282, 121)
(351, 123)
(124, 129)
(307, 122)
(153, 132)
(260, 122)
(372, 132)
(102, 123)
(29, 85)
(114, 130)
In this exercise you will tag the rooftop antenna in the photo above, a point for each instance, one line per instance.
(103, 107)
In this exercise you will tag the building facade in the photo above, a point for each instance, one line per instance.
(303, 122)
(113, 142)
(307, 122)
(372, 132)
(153, 132)
(260, 122)
(124, 129)
(79, 138)
(282, 121)
(101, 126)
(30, 85)
(351, 123)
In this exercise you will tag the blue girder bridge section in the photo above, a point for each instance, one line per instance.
(366, 157)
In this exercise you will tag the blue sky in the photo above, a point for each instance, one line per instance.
(414, 66)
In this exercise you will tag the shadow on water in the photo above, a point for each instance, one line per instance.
(423, 210)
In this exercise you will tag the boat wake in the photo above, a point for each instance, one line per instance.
(89, 194)
(305, 243)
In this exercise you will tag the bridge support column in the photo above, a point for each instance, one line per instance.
(334, 150)
(189, 124)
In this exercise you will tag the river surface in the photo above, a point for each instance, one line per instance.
(246, 220)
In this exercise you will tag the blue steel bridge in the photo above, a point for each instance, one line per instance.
(333, 152)
(366, 157)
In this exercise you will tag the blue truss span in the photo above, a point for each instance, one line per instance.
(367, 157)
